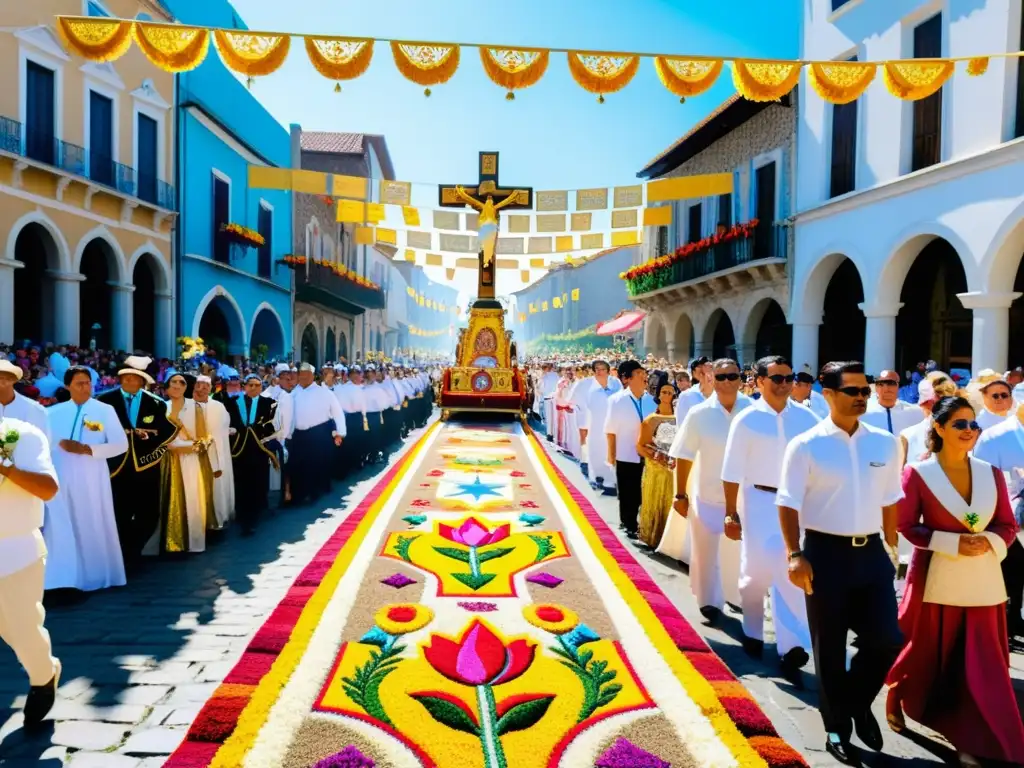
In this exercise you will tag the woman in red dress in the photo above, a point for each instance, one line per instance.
(953, 673)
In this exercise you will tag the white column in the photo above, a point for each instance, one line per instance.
(805, 346)
(671, 345)
(163, 326)
(991, 338)
(880, 337)
(65, 306)
(122, 326)
(7, 267)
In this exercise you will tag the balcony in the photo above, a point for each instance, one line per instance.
(78, 161)
(723, 268)
(322, 286)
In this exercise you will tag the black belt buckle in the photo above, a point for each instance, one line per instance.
(859, 541)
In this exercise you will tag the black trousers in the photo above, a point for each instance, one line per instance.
(629, 476)
(136, 507)
(311, 453)
(1013, 575)
(252, 483)
(852, 590)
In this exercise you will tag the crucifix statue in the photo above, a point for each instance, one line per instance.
(488, 198)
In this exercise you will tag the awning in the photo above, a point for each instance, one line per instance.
(624, 322)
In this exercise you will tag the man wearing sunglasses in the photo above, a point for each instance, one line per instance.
(804, 394)
(887, 411)
(701, 371)
(1003, 447)
(704, 433)
(841, 481)
(997, 396)
(752, 467)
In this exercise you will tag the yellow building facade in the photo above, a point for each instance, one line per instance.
(87, 203)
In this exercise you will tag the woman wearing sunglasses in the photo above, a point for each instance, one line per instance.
(953, 672)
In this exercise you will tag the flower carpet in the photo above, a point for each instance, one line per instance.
(474, 611)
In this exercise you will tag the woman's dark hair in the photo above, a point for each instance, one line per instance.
(664, 380)
(941, 414)
(75, 370)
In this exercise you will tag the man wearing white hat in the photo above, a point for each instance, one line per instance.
(353, 404)
(135, 475)
(17, 406)
(319, 421)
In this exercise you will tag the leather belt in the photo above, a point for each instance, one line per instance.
(854, 541)
(766, 488)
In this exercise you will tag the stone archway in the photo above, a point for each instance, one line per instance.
(655, 338)
(309, 349)
(35, 293)
(1004, 266)
(766, 331)
(330, 346)
(100, 266)
(684, 339)
(342, 345)
(266, 336)
(219, 323)
(719, 339)
(841, 336)
(152, 308)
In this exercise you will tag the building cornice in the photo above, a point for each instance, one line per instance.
(1007, 152)
(240, 272)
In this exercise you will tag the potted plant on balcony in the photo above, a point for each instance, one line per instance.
(236, 234)
(292, 261)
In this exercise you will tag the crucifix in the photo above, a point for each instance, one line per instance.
(487, 197)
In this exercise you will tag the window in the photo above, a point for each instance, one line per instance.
(40, 113)
(843, 171)
(694, 230)
(101, 138)
(661, 243)
(725, 210)
(147, 157)
(926, 149)
(221, 218)
(1020, 85)
(265, 226)
(763, 242)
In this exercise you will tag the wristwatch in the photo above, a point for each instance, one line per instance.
(795, 554)
(682, 497)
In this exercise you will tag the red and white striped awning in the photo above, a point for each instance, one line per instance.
(624, 322)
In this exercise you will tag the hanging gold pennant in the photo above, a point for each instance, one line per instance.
(915, 80)
(841, 82)
(591, 242)
(628, 197)
(687, 77)
(419, 239)
(514, 69)
(426, 63)
(624, 219)
(538, 263)
(575, 294)
(602, 73)
(410, 256)
(252, 55)
(95, 39)
(351, 211)
(539, 245)
(524, 275)
(626, 237)
(518, 224)
(375, 213)
(581, 222)
(172, 47)
(551, 200)
(434, 260)
(394, 192)
(765, 80)
(411, 216)
(591, 199)
(446, 220)
(450, 273)
(387, 236)
(510, 246)
(551, 222)
(563, 243)
(364, 235)
(339, 58)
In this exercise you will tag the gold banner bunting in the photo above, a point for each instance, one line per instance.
(841, 82)
(353, 187)
(364, 235)
(624, 219)
(472, 222)
(518, 224)
(591, 199)
(539, 245)
(628, 197)
(375, 213)
(450, 273)
(266, 177)
(511, 246)
(419, 239)
(627, 237)
(602, 73)
(765, 80)
(563, 244)
(351, 211)
(387, 236)
(411, 216)
(575, 294)
(395, 192)
(409, 255)
(524, 275)
(914, 80)
(591, 242)
(551, 222)
(426, 63)
(446, 220)
(658, 217)
(538, 263)
(309, 182)
(514, 69)
(434, 260)
(506, 263)
(581, 222)
(252, 55)
(689, 187)
(467, 264)
(556, 302)
(552, 201)
(687, 77)
(96, 40)
(172, 47)
(458, 243)
(339, 58)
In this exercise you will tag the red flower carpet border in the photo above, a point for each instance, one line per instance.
(750, 719)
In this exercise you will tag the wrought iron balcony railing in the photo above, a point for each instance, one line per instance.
(321, 285)
(96, 167)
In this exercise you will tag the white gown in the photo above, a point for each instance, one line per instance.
(219, 423)
(84, 551)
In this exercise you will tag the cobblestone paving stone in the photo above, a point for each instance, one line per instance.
(140, 661)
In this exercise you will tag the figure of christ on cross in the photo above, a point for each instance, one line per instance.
(488, 198)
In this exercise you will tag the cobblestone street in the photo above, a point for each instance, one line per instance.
(140, 661)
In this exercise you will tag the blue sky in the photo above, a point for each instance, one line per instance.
(554, 135)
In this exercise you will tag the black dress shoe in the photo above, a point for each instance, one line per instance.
(842, 750)
(753, 648)
(868, 730)
(710, 613)
(40, 700)
(632, 535)
(791, 664)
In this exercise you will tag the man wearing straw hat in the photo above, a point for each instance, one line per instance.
(135, 476)
(16, 406)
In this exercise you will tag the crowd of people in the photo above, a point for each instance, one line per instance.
(846, 506)
(93, 485)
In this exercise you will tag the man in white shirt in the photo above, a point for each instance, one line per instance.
(16, 406)
(27, 481)
(751, 471)
(886, 411)
(319, 422)
(626, 413)
(703, 434)
(1003, 447)
(285, 421)
(548, 385)
(592, 434)
(377, 402)
(702, 370)
(841, 481)
(804, 394)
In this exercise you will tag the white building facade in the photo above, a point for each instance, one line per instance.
(909, 222)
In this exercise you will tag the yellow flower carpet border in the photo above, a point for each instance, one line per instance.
(507, 680)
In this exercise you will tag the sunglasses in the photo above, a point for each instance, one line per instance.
(727, 377)
(1000, 395)
(962, 425)
(855, 391)
(778, 379)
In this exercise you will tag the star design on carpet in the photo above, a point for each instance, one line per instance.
(477, 489)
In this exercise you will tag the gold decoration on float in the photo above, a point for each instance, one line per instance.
(339, 58)
(252, 55)
(977, 66)
(95, 39)
(915, 80)
(765, 80)
(602, 73)
(172, 47)
(514, 68)
(687, 77)
(426, 64)
(840, 82)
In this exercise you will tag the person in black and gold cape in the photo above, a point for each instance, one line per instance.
(253, 451)
(135, 475)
